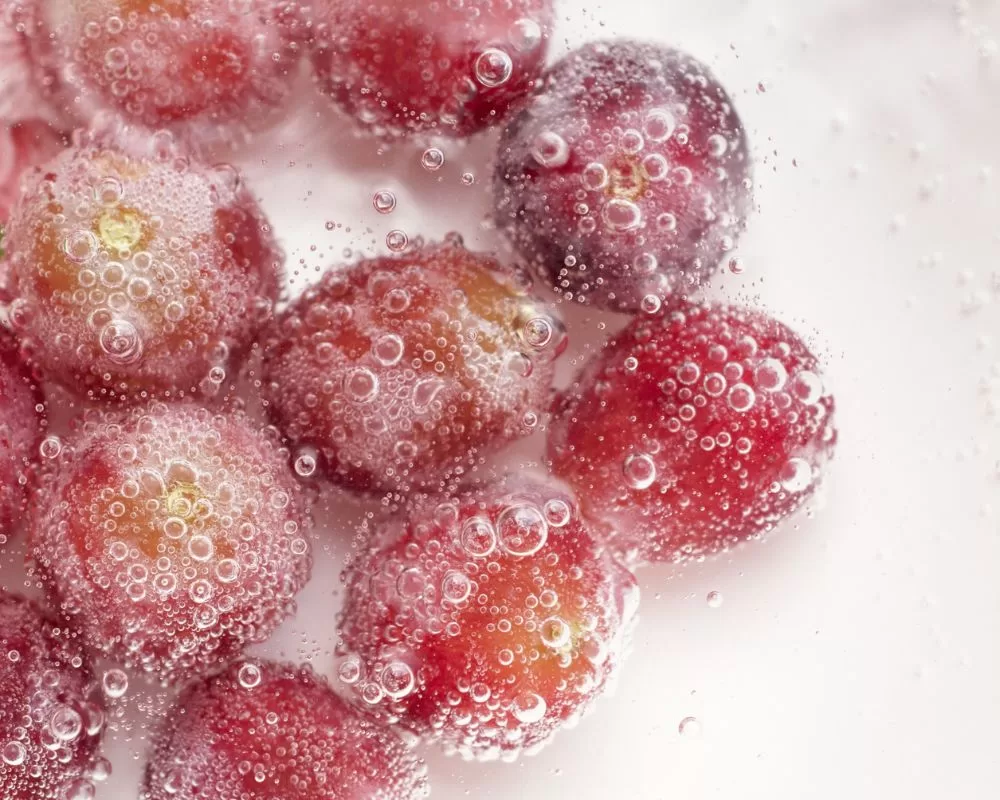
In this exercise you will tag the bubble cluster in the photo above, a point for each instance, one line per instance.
(401, 371)
(285, 735)
(51, 719)
(138, 271)
(420, 66)
(20, 431)
(211, 71)
(627, 176)
(172, 536)
(725, 433)
(486, 621)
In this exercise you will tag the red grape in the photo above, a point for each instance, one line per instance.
(263, 731)
(405, 66)
(626, 177)
(401, 371)
(487, 621)
(22, 145)
(50, 719)
(171, 536)
(138, 274)
(694, 432)
(200, 67)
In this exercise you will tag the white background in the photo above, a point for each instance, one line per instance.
(855, 655)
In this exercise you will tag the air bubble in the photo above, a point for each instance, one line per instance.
(493, 67)
(525, 35)
(249, 676)
(621, 215)
(120, 340)
(689, 726)
(397, 680)
(522, 530)
(796, 475)
(770, 375)
(115, 683)
(432, 159)
(639, 471)
(455, 586)
(529, 708)
(396, 241)
(714, 599)
(384, 201)
(557, 512)
(478, 537)
(550, 150)
(741, 397)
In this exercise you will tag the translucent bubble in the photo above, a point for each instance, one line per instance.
(120, 340)
(717, 145)
(13, 754)
(305, 464)
(688, 373)
(741, 397)
(736, 265)
(455, 586)
(550, 149)
(525, 35)
(621, 215)
(384, 201)
(200, 548)
(655, 167)
(397, 680)
(411, 582)
(468, 178)
(650, 304)
(115, 683)
(65, 724)
(50, 447)
(361, 385)
(522, 530)
(388, 349)
(537, 332)
(557, 512)
(101, 770)
(109, 191)
(432, 159)
(80, 246)
(770, 375)
(714, 599)
(396, 241)
(349, 670)
(659, 125)
(555, 633)
(227, 570)
(425, 392)
(796, 475)
(478, 537)
(249, 676)
(79, 789)
(807, 387)
(631, 141)
(493, 67)
(529, 707)
(639, 471)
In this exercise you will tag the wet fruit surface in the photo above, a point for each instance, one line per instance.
(172, 536)
(486, 622)
(138, 274)
(726, 432)
(50, 721)
(22, 145)
(405, 66)
(204, 68)
(626, 177)
(264, 731)
(403, 371)
(20, 429)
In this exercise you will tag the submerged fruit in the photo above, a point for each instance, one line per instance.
(487, 621)
(264, 731)
(692, 433)
(404, 371)
(627, 175)
(172, 536)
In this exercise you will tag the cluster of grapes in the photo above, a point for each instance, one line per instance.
(170, 529)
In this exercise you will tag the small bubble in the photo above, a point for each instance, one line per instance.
(689, 726)
(432, 159)
(659, 125)
(525, 35)
(557, 512)
(807, 387)
(456, 586)
(115, 683)
(120, 340)
(529, 708)
(361, 385)
(349, 670)
(493, 67)
(796, 475)
(621, 215)
(249, 676)
(736, 265)
(714, 599)
(305, 464)
(639, 471)
(13, 754)
(65, 724)
(522, 530)
(478, 537)
(741, 397)
(397, 680)
(770, 375)
(468, 178)
(384, 201)
(396, 241)
(550, 150)
(50, 447)
(555, 633)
